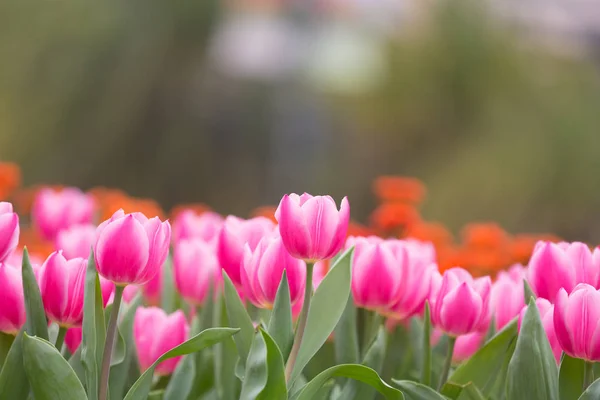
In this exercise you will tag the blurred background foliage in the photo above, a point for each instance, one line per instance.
(235, 103)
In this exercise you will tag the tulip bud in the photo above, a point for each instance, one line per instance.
(262, 270)
(9, 230)
(73, 339)
(131, 249)
(546, 310)
(154, 333)
(467, 345)
(54, 211)
(236, 233)
(196, 268)
(312, 228)
(12, 302)
(189, 225)
(76, 241)
(508, 298)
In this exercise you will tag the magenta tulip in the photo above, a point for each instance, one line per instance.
(76, 241)
(12, 302)
(9, 230)
(467, 345)
(312, 228)
(235, 234)
(196, 269)
(507, 299)
(155, 333)
(546, 310)
(353, 240)
(73, 339)
(461, 305)
(189, 225)
(563, 265)
(131, 249)
(262, 269)
(577, 322)
(54, 211)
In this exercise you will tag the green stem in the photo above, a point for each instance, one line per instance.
(60, 339)
(301, 323)
(588, 374)
(448, 363)
(371, 325)
(109, 343)
(426, 372)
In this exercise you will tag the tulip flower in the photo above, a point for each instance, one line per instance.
(196, 268)
(189, 225)
(467, 345)
(54, 211)
(154, 333)
(235, 234)
(73, 339)
(262, 269)
(354, 240)
(9, 230)
(507, 298)
(12, 303)
(131, 248)
(152, 289)
(312, 228)
(130, 292)
(563, 265)
(546, 310)
(76, 241)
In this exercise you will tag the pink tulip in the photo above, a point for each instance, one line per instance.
(236, 233)
(189, 225)
(76, 241)
(461, 305)
(16, 259)
(262, 269)
(152, 289)
(507, 299)
(563, 265)
(12, 303)
(377, 274)
(9, 230)
(107, 288)
(129, 293)
(62, 285)
(320, 270)
(546, 310)
(196, 269)
(312, 228)
(54, 211)
(155, 333)
(73, 339)
(353, 240)
(131, 249)
(577, 322)
(467, 345)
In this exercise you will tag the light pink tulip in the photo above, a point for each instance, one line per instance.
(76, 241)
(507, 296)
(155, 333)
(73, 339)
(54, 211)
(189, 225)
(563, 265)
(131, 249)
(312, 228)
(461, 305)
(9, 230)
(62, 286)
(467, 345)
(236, 233)
(262, 269)
(353, 240)
(129, 293)
(12, 303)
(196, 269)
(546, 310)
(16, 259)
(577, 322)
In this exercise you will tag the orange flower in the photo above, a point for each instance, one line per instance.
(10, 179)
(487, 235)
(265, 211)
(522, 246)
(399, 188)
(197, 208)
(35, 243)
(356, 229)
(391, 216)
(111, 200)
(434, 232)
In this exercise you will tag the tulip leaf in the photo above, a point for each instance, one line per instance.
(238, 318)
(426, 366)
(346, 336)
(50, 375)
(352, 371)
(75, 363)
(225, 357)
(527, 291)
(570, 377)
(180, 384)
(13, 379)
(532, 371)
(417, 391)
(36, 324)
(6, 342)
(206, 338)
(93, 329)
(281, 326)
(168, 296)
(592, 392)
(488, 367)
(464, 392)
(327, 306)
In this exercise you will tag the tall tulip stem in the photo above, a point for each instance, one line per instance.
(448, 363)
(111, 331)
(60, 338)
(301, 323)
(588, 374)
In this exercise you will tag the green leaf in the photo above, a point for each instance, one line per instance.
(207, 338)
(591, 393)
(50, 375)
(346, 336)
(465, 392)
(532, 371)
(181, 382)
(281, 326)
(570, 377)
(417, 391)
(225, 357)
(352, 371)
(13, 379)
(93, 329)
(36, 324)
(156, 394)
(75, 363)
(426, 368)
(527, 291)
(168, 296)
(238, 318)
(488, 367)
(327, 306)
(6, 341)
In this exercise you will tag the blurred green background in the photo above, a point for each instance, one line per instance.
(235, 103)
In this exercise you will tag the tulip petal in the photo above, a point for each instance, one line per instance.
(293, 228)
